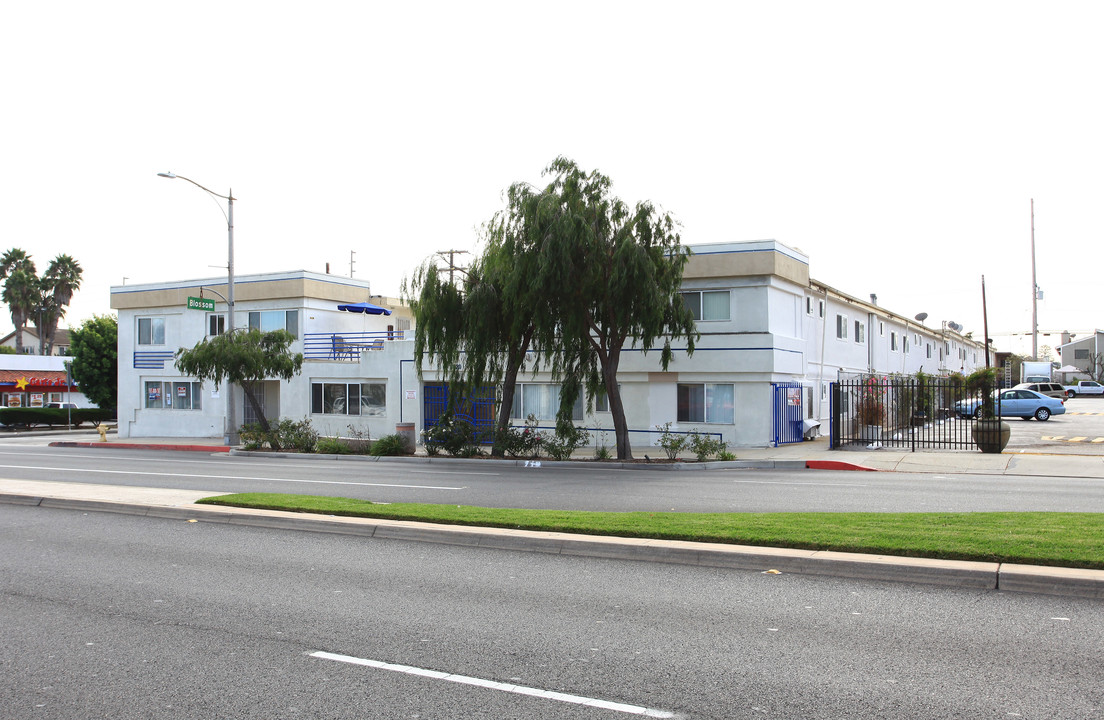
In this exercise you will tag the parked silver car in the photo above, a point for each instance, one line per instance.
(1050, 389)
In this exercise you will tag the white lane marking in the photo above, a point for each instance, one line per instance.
(494, 685)
(244, 461)
(777, 482)
(227, 477)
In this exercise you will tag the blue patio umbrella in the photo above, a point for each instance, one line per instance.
(367, 308)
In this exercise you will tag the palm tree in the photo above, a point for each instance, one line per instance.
(62, 279)
(23, 294)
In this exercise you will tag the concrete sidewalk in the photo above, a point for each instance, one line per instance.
(180, 505)
(813, 454)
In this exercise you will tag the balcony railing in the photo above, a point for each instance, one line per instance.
(345, 345)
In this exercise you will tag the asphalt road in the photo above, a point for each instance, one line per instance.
(116, 616)
(559, 488)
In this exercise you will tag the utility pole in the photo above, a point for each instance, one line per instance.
(452, 261)
(985, 321)
(1034, 292)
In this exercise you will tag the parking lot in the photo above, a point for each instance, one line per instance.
(1079, 431)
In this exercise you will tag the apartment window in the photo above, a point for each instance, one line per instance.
(1080, 353)
(881, 329)
(269, 320)
(904, 340)
(542, 401)
(808, 305)
(216, 324)
(928, 346)
(821, 303)
(841, 327)
(706, 403)
(173, 395)
(355, 398)
(708, 304)
(860, 332)
(893, 341)
(151, 331)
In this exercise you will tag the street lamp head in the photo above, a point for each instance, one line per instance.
(169, 175)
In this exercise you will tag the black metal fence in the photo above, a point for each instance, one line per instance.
(901, 412)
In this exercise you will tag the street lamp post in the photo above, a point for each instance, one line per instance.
(229, 215)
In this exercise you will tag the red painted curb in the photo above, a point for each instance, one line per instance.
(836, 465)
(144, 446)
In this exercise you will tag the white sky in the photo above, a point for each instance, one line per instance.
(898, 144)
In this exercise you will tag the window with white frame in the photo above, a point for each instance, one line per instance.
(349, 398)
(542, 401)
(151, 331)
(821, 304)
(706, 403)
(929, 350)
(808, 305)
(216, 324)
(860, 332)
(881, 329)
(905, 343)
(173, 395)
(708, 304)
(841, 327)
(269, 320)
(893, 341)
(1080, 353)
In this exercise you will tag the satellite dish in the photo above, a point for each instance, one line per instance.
(954, 326)
(921, 317)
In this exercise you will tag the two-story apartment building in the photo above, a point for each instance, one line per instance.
(157, 319)
(764, 325)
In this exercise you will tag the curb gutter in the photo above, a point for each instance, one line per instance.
(143, 446)
(950, 573)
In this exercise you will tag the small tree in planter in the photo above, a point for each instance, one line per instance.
(990, 433)
(870, 409)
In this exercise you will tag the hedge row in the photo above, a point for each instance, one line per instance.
(53, 416)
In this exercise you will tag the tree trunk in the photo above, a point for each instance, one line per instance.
(617, 408)
(250, 395)
(509, 386)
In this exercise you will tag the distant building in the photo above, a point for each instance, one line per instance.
(1080, 354)
(30, 341)
(34, 380)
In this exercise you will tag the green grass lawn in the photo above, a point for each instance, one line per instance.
(1035, 538)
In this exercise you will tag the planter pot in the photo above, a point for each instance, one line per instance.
(991, 436)
(919, 419)
(870, 432)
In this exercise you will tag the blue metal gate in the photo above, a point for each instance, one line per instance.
(788, 401)
(478, 410)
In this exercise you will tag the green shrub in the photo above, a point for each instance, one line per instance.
(566, 441)
(252, 436)
(704, 445)
(54, 416)
(672, 443)
(285, 434)
(388, 445)
(451, 435)
(297, 435)
(331, 446)
(524, 442)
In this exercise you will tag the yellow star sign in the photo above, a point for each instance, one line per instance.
(21, 383)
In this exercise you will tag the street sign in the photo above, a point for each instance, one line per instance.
(195, 303)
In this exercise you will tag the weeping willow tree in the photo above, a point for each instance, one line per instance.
(612, 274)
(478, 333)
(569, 271)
